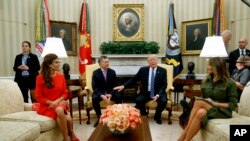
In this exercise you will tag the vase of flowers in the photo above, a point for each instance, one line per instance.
(120, 117)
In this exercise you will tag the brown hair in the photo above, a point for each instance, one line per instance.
(45, 71)
(27, 43)
(219, 69)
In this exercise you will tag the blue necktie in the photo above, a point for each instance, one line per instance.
(152, 87)
(242, 52)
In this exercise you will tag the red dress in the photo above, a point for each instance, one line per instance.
(44, 94)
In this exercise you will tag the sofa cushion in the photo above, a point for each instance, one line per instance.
(11, 100)
(220, 127)
(19, 131)
(244, 103)
(45, 123)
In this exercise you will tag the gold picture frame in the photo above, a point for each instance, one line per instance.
(191, 44)
(66, 31)
(128, 22)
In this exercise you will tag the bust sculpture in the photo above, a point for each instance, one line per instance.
(66, 70)
(190, 74)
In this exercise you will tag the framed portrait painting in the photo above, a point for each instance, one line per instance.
(128, 22)
(194, 34)
(66, 31)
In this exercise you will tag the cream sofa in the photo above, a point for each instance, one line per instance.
(218, 129)
(18, 122)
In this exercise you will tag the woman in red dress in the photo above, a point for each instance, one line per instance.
(51, 93)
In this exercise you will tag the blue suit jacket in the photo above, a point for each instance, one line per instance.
(142, 77)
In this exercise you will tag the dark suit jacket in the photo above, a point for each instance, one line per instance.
(99, 85)
(233, 56)
(142, 77)
(32, 63)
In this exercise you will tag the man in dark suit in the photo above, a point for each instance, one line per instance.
(26, 66)
(103, 82)
(153, 84)
(235, 54)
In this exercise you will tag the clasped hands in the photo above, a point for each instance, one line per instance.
(106, 97)
(23, 67)
(53, 104)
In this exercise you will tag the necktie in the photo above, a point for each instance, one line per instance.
(105, 75)
(152, 88)
(242, 52)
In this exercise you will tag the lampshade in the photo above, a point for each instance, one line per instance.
(214, 47)
(56, 46)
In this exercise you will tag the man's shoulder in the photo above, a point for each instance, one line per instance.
(161, 69)
(144, 68)
(111, 70)
(233, 51)
(97, 70)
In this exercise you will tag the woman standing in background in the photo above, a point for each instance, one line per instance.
(26, 66)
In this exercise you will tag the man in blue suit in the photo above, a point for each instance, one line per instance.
(153, 81)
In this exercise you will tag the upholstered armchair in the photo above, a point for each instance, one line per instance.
(152, 104)
(89, 105)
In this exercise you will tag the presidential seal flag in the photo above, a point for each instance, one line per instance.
(173, 54)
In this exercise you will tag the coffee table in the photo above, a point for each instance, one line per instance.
(140, 133)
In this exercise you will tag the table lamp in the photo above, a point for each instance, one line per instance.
(56, 46)
(214, 47)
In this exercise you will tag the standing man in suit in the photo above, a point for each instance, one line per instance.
(235, 54)
(26, 66)
(153, 81)
(226, 36)
(103, 82)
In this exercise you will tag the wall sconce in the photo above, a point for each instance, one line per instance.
(213, 47)
(54, 45)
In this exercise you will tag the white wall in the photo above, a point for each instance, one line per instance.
(17, 23)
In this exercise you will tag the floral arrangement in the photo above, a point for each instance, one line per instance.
(119, 117)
